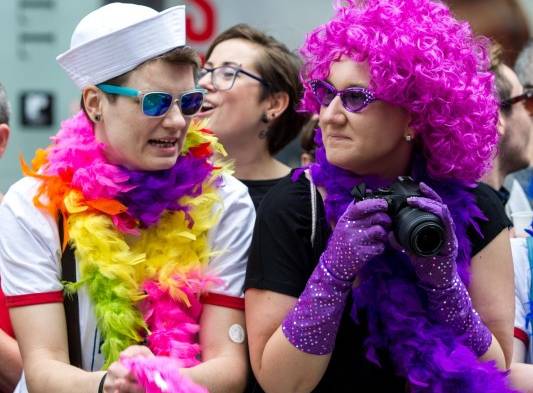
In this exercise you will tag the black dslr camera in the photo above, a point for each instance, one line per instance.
(420, 232)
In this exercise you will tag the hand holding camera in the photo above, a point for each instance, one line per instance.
(422, 227)
(447, 297)
(437, 271)
(360, 234)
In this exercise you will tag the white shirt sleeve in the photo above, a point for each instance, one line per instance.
(231, 238)
(29, 248)
(522, 277)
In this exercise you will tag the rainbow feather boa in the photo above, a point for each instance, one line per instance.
(140, 251)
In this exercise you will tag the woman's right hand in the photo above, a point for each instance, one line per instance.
(360, 234)
(119, 379)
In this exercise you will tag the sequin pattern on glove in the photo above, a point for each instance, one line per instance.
(448, 298)
(360, 234)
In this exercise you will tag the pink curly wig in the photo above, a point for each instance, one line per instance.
(422, 59)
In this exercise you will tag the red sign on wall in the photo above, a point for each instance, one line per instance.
(201, 24)
(201, 30)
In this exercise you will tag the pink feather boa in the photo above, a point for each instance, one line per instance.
(173, 339)
(161, 374)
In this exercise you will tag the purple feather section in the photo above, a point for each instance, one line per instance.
(158, 191)
(430, 356)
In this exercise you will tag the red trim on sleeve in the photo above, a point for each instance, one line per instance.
(34, 298)
(522, 336)
(5, 322)
(217, 299)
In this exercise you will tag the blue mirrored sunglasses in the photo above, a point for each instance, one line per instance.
(157, 103)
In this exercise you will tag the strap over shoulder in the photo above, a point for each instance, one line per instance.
(70, 302)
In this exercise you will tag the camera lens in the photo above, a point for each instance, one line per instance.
(418, 231)
(427, 239)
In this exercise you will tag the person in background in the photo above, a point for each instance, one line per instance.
(157, 229)
(514, 127)
(522, 365)
(10, 360)
(340, 294)
(307, 142)
(522, 248)
(252, 96)
(524, 65)
(524, 70)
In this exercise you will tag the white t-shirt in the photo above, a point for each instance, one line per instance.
(30, 257)
(522, 278)
(518, 201)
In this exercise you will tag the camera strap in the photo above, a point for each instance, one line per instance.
(313, 191)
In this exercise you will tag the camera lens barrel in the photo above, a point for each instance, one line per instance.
(420, 232)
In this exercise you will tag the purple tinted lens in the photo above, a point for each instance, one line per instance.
(354, 99)
(323, 92)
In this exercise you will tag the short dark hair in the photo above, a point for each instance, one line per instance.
(5, 109)
(524, 65)
(280, 68)
(307, 136)
(181, 55)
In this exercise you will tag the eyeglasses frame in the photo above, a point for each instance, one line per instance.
(508, 103)
(237, 69)
(368, 94)
(139, 94)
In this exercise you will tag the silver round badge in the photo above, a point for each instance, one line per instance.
(236, 333)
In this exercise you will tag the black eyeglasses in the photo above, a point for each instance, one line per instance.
(223, 77)
(527, 96)
(354, 99)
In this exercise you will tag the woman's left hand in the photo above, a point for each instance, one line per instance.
(440, 270)
(119, 379)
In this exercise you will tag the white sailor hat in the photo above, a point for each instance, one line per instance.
(117, 37)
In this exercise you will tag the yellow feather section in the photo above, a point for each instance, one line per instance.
(198, 133)
(97, 242)
(172, 248)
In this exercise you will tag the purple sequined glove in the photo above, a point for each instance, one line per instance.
(448, 298)
(360, 234)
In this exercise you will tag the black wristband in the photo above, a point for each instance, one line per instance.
(101, 386)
